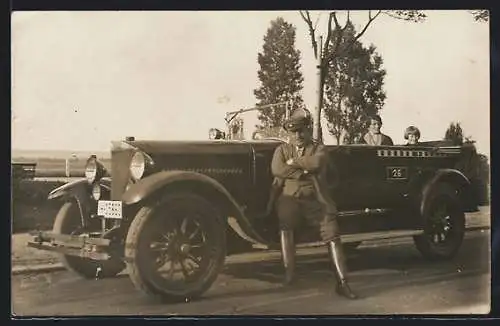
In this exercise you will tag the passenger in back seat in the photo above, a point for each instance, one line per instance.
(412, 135)
(374, 137)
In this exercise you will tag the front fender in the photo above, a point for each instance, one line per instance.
(75, 188)
(70, 189)
(151, 184)
(452, 176)
(80, 191)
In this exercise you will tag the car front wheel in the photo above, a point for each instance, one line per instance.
(176, 247)
(68, 222)
(444, 224)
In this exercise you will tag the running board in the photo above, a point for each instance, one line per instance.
(366, 211)
(347, 238)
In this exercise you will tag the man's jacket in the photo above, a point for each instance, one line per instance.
(307, 177)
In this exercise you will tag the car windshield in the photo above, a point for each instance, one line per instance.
(245, 125)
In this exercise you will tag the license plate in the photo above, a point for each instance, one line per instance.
(109, 208)
(397, 173)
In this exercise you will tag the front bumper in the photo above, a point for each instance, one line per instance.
(84, 246)
(88, 245)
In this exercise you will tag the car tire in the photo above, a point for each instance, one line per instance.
(444, 224)
(181, 230)
(68, 221)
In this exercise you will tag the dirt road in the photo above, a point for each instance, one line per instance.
(391, 279)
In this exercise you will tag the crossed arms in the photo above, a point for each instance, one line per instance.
(286, 167)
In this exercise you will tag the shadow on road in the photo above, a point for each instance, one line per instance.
(372, 270)
(388, 278)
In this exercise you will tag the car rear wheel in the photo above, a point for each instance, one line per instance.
(175, 248)
(444, 224)
(68, 222)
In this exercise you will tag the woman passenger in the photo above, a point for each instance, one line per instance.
(374, 136)
(412, 135)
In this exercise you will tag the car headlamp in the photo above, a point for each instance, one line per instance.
(96, 192)
(137, 165)
(94, 170)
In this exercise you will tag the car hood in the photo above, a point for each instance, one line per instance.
(155, 147)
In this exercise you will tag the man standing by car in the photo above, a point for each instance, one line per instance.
(300, 165)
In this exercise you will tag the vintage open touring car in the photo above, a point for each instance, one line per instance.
(173, 210)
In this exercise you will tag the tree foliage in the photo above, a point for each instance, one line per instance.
(280, 75)
(353, 86)
(454, 134)
(480, 15)
(334, 49)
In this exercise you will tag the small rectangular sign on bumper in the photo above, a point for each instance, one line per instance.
(110, 209)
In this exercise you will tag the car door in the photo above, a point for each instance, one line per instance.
(394, 166)
(354, 180)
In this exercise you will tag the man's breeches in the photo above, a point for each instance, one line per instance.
(292, 212)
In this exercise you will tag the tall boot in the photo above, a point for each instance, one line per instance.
(288, 255)
(338, 260)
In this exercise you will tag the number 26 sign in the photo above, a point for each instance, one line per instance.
(397, 173)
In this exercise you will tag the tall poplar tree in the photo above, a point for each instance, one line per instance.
(280, 74)
(353, 87)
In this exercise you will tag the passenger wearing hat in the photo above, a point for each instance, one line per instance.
(300, 167)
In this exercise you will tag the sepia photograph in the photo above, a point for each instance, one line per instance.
(250, 163)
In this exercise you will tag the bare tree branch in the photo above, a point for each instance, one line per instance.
(392, 15)
(317, 21)
(312, 34)
(334, 15)
(338, 40)
(346, 23)
(308, 15)
(329, 31)
(348, 46)
(370, 20)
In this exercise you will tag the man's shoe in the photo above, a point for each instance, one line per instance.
(344, 290)
(337, 258)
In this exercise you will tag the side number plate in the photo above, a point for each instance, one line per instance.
(397, 173)
(109, 208)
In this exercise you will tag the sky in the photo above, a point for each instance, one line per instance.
(83, 79)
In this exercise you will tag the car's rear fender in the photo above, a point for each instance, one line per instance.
(454, 178)
(165, 181)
